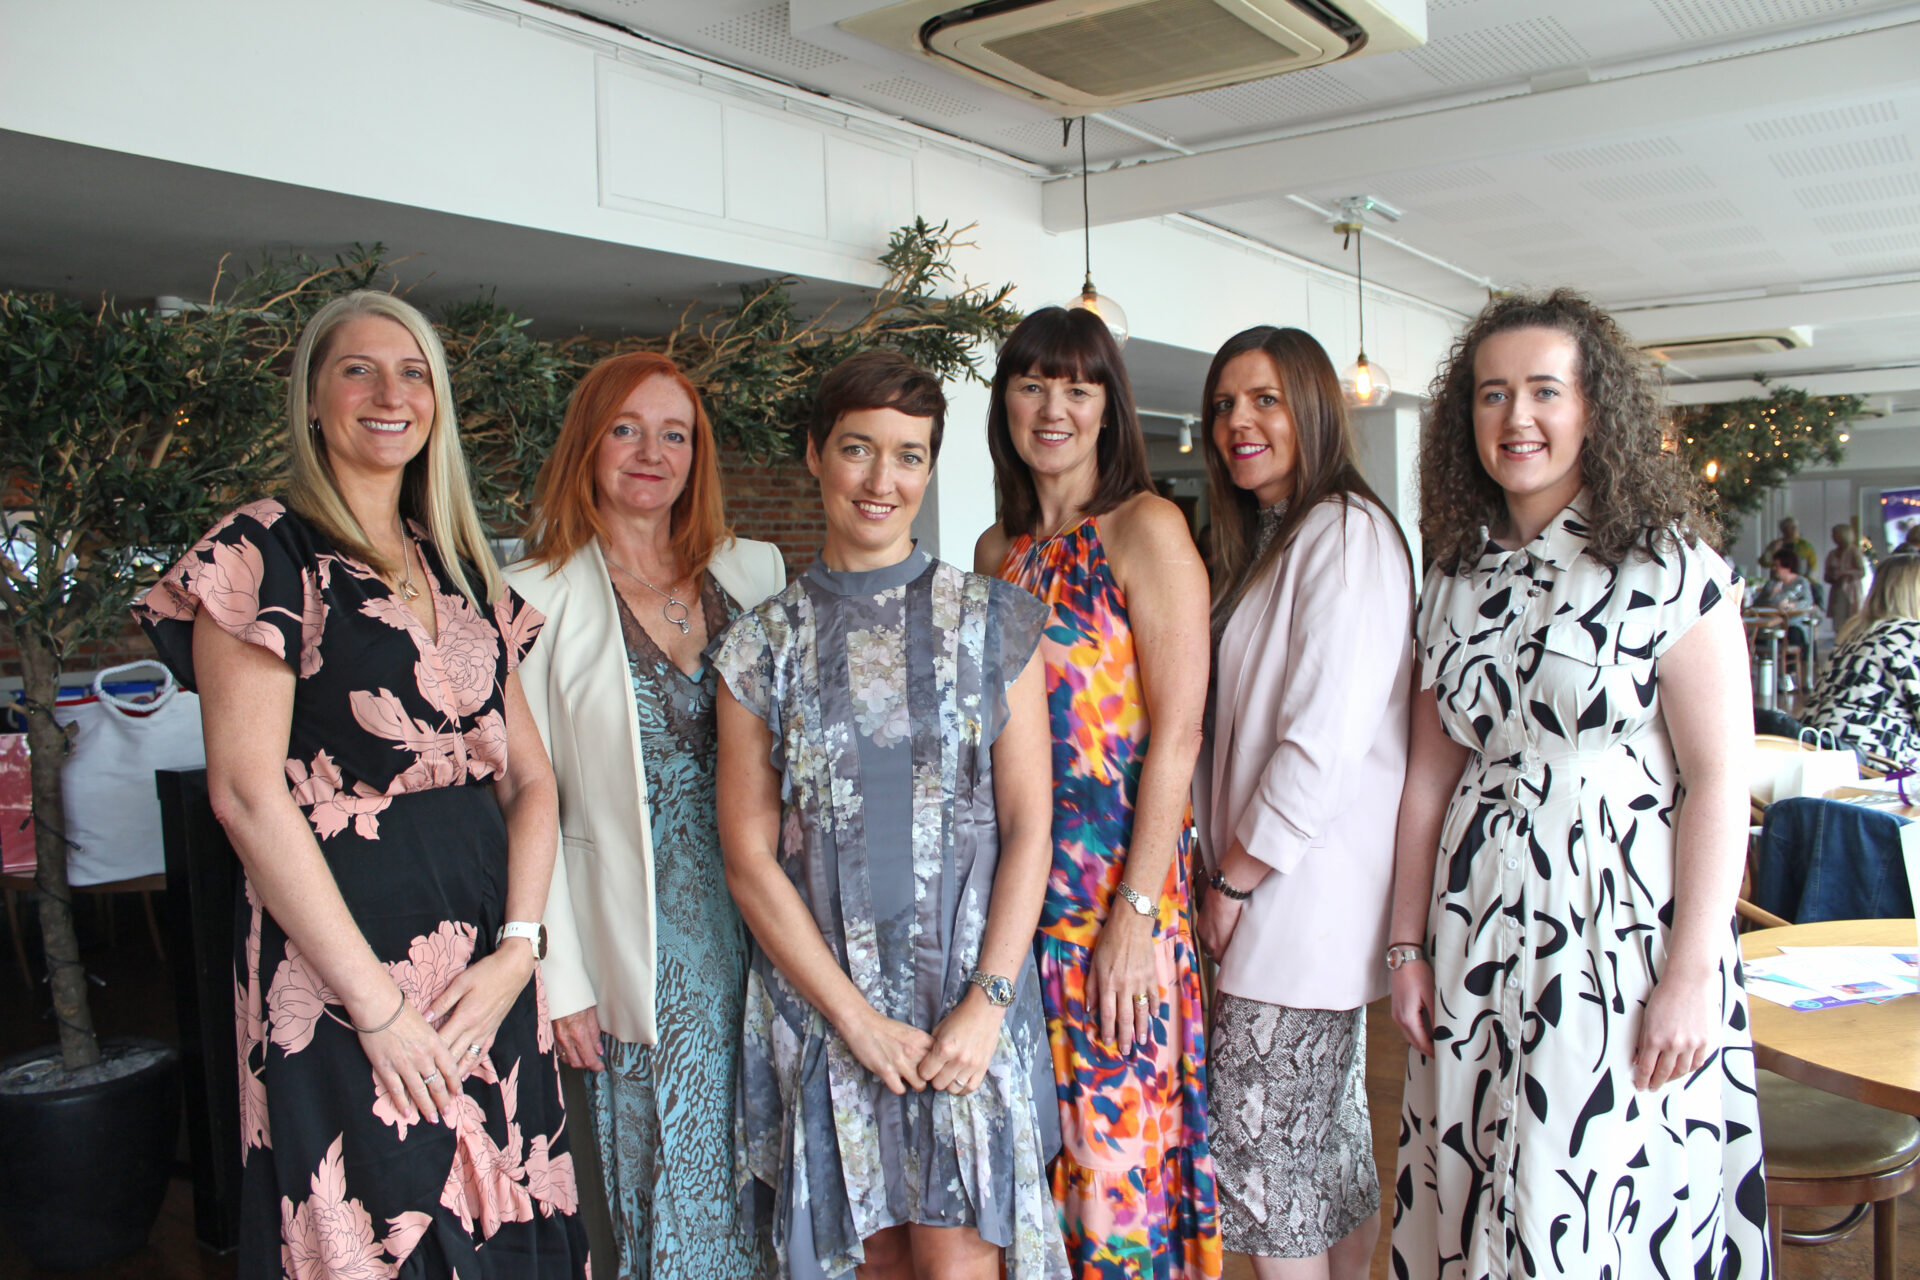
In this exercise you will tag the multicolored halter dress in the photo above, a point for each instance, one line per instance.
(1134, 1180)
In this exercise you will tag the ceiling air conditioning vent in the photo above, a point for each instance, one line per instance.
(1094, 55)
(1720, 346)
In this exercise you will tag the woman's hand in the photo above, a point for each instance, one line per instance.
(578, 1035)
(1121, 971)
(1677, 1029)
(1412, 989)
(470, 1009)
(891, 1050)
(410, 1063)
(1219, 917)
(963, 1045)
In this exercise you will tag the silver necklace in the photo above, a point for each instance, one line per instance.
(682, 620)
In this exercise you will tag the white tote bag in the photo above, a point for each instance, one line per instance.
(1811, 767)
(112, 807)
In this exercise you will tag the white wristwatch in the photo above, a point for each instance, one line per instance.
(532, 930)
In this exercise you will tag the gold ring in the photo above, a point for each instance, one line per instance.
(1140, 1000)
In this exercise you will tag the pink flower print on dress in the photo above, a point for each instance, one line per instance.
(486, 1184)
(542, 1020)
(517, 630)
(330, 1237)
(250, 1034)
(457, 671)
(313, 617)
(297, 999)
(550, 1178)
(265, 512)
(228, 587)
(440, 757)
(330, 809)
(486, 746)
(433, 961)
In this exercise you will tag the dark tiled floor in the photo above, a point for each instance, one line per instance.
(138, 1000)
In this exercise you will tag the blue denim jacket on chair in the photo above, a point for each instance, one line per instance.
(1827, 860)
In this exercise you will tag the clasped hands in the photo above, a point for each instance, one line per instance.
(952, 1058)
(416, 1067)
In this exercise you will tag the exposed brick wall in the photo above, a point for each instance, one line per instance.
(129, 644)
(778, 504)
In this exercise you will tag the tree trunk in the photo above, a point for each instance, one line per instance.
(47, 751)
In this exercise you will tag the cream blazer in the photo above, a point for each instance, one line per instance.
(600, 910)
(1307, 756)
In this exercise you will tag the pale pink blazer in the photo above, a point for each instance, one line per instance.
(1306, 758)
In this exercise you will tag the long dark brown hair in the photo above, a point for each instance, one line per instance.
(1324, 466)
(1641, 497)
(1057, 343)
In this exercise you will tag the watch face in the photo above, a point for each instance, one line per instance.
(999, 991)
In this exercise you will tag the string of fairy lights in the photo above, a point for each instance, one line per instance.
(1743, 448)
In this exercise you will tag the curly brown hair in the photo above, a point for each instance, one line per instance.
(1643, 498)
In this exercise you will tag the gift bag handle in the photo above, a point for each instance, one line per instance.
(1812, 739)
(129, 706)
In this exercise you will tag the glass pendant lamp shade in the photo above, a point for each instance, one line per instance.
(1365, 384)
(1109, 311)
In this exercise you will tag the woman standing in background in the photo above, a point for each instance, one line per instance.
(1844, 572)
(1296, 798)
(630, 559)
(1126, 657)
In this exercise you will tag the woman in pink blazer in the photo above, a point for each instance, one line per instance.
(1295, 798)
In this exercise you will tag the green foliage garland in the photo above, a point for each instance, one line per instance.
(1743, 448)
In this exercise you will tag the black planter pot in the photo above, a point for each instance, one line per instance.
(83, 1170)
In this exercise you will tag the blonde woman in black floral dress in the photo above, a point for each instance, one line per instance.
(371, 756)
(1580, 1093)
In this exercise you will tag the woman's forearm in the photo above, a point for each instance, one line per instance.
(533, 834)
(1435, 764)
(1160, 805)
(1709, 852)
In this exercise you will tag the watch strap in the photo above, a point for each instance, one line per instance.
(1137, 900)
(534, 931)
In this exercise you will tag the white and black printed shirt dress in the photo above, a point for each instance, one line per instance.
(1524, 1148)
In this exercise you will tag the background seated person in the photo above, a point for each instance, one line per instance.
(1788, 593)
(1870, 694)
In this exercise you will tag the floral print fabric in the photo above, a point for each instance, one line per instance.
(1525, 1149)
(393, 737)
(1135, 1183)
(885, 691)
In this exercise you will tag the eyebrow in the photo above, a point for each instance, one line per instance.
(1532, 377)
(359, 356)
(863, 438)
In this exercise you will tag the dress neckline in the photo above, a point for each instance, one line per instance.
(868, 582)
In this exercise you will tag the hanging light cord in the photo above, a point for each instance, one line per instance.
(1086, 214)
(1360, 285)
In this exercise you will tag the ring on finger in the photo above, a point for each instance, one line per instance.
(430, 1077)
(474, 1049)
(1141, 999)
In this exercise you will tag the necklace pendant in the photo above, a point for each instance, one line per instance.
(409, 592)
(680, 619)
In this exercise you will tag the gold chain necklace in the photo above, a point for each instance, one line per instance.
(682, 620)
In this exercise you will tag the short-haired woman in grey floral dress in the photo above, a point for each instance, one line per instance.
(885, 816)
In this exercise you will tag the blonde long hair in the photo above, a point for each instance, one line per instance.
(434, 490)
(1895, 594)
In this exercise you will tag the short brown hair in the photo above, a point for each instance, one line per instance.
(1056, 342)
(878, 379)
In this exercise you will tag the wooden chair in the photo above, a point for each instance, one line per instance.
(1825, 1151)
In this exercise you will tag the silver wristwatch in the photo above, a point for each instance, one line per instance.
(1139, 901)
(1404, 953)
(999, 990)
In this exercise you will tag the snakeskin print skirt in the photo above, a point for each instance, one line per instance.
(1292, 1144)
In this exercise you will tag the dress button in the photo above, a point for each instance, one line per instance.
(1513, 981)
(1506, 1104)
(1513, 864)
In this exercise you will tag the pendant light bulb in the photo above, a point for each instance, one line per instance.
(1186, 435)
(1109, 311)
(1365, 383)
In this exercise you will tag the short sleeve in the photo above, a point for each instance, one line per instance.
(253, 576)
(1015, 620)
(519, 623)
(1435, 639)
(744, 658)
(1693, 580)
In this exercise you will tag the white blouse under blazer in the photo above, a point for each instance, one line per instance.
(600, 910)
(1307, 756)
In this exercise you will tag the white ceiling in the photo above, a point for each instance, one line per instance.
(1738, 153)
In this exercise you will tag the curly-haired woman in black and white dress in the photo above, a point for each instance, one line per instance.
(1580, 1095)
(1870, 694)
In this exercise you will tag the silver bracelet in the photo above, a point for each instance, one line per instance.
(374, 1031)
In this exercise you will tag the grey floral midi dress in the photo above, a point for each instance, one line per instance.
(885, 691)
(1524, 1148)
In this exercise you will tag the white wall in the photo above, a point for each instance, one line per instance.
(510, 112)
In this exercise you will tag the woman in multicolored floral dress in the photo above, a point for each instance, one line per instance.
(883, 816)
(1127, 654)
(371, 755)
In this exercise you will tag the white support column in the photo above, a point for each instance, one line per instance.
(1388, 440)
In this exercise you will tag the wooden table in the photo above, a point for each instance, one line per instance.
(1868, 1052)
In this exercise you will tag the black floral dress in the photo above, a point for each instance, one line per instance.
(395, 740)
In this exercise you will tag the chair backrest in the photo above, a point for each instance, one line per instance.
(1829, 860)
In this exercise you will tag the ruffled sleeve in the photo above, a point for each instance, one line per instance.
(520, 625)
(253, 577)
(747, 658)
(1015, 620)
(1693, 580)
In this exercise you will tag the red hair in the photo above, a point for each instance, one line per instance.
(566, 512)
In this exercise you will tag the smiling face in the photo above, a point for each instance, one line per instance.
(1530, 419)
(1253, 429)
(372, 397)
(1055, 423)
(873, 470)
(640, 467)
